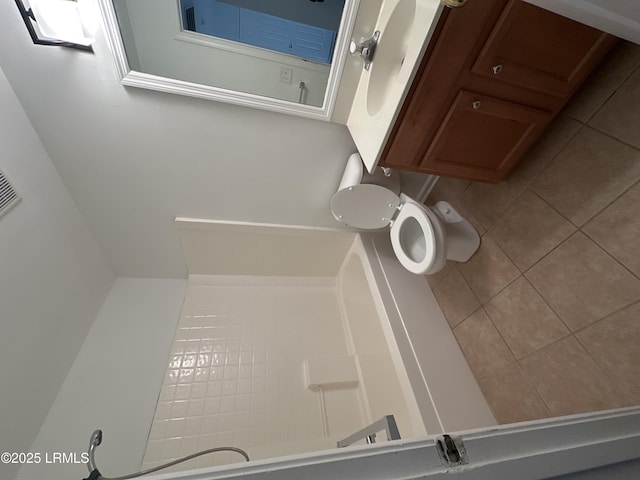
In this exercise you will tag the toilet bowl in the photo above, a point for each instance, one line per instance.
(423, 238)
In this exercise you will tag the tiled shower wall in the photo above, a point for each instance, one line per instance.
(235, 374)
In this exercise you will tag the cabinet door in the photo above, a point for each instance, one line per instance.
(482, 138)
(533, 48)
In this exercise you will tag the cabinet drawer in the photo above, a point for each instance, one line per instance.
(533, 48)
(482, 138)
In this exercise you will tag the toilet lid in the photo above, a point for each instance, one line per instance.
(366, 206)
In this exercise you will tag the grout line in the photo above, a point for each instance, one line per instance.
(609, 315)
(499, 332)
(602, 65)
(612, 137)
(595, 360)
(610, 255)
(548, 304)
(636, 182)
(533, 387)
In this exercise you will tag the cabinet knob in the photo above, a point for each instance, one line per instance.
(476, 105)
(453, 3)
(496, 69)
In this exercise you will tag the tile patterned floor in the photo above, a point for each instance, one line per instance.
(547, 312)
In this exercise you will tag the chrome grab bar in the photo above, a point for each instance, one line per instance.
(386, 423)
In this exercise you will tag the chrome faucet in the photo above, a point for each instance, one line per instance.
(366, 49)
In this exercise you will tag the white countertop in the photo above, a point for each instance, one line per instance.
(372, 116)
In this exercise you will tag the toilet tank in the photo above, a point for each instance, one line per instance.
(355, 173)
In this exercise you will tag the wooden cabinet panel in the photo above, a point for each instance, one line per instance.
(441, 75)
(535, 49)
(482, 137)
(543, 58)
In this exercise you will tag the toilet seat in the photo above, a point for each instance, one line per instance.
(415, 239)
(416, 235)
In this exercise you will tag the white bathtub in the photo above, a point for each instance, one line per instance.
(421, 377)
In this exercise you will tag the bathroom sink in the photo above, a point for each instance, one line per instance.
(390, 53)
(405, 26)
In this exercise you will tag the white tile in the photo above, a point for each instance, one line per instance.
(201, 375)
(228, 404)
(214, 389)
(163, 410)
(154, 451)
(183, 392)
(229, 387)
(235, 371)
(179, 408)
(167, 392)
(192, 426)
(175, 428)
(189, 445)
(198, 390)
(244, 385)
(210, 423)
(158, 430)
(196, 407)
(227, 422)
(212, 405)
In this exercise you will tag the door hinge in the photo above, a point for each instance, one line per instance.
(451, 450)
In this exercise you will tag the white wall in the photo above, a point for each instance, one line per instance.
(53, 280)
(620, 18)
(134, 159)
(247, 249)
(114, 382)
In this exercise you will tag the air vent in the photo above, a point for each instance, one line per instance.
(190, 19)
(8, 196)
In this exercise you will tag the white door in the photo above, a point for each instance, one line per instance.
(592, 444)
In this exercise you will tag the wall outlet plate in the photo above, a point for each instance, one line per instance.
(286, 74)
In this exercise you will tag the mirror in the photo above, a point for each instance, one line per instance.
(248, 52)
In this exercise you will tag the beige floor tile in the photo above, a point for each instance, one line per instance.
(452, 190)
(489, 270)
(588, 174)
(487, 202)
(617, 229)
(448, 189)
(557, 135)
(615, 344)
(482, 345)
(524, 319)
(620, 116)
(568, 379)
(530, 229)
(511, 397)
(456, 299)
(602, 83)
(582, 283)
(435, 278)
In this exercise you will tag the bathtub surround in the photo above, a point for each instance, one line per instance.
(547, 311)
(53, 280)
(239, 369)
(235, 375)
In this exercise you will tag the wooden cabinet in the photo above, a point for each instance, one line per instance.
(467, 143)
(493, 77)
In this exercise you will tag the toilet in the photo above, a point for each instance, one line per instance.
(423, 238)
